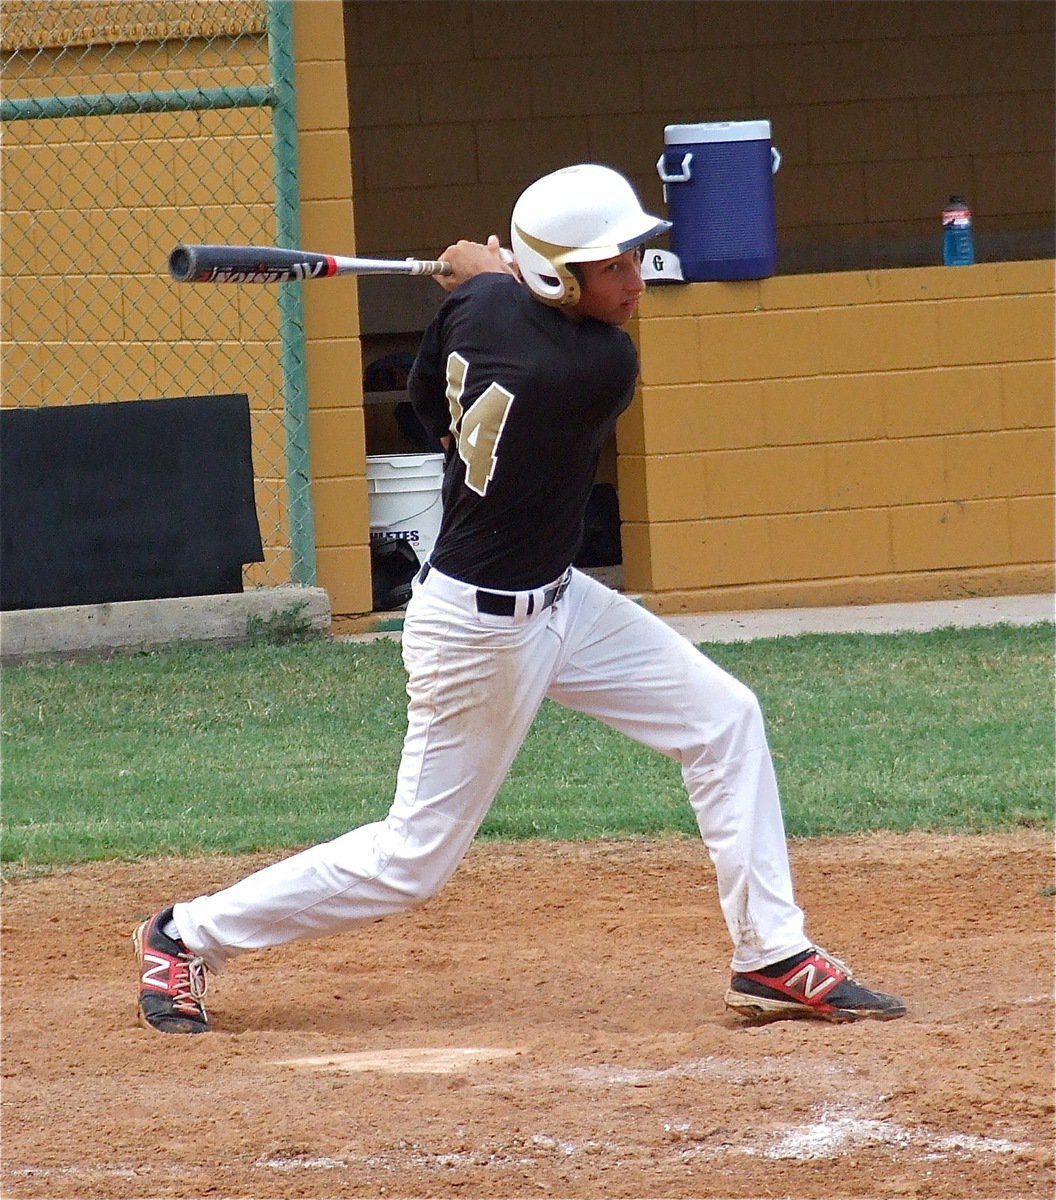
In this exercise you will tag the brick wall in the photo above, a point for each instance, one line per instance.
(848, 441)
(842, 438)
(117, 192)
(92, 206)
(334, 359)
(881, 111)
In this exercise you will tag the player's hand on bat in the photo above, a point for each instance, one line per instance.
(475, 258)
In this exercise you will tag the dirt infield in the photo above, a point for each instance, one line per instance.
(552, 1025)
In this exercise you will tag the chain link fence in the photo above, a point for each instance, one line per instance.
(129, 128)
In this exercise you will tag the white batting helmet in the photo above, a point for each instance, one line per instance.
(583, 213)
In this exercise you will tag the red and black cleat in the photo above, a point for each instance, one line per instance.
(810, 984)
(171, 980)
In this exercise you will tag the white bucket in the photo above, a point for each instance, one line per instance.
(405, 503)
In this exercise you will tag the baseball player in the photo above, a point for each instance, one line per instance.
(522, 376)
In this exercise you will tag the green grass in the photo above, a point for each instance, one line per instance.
(268, 746)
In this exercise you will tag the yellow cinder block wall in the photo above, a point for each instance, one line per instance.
(111, 195)
(955, 92)
(334, 357)
(880, 110)
(847, 438)
(92, 206)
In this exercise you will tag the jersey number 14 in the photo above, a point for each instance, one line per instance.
(478, 430)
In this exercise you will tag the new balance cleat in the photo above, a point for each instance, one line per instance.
(811, 984)
(171, 980)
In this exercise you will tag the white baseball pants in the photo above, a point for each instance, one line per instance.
(475, 683)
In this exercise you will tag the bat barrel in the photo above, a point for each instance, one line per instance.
(247, 264)
(271, 264)
(181, 264)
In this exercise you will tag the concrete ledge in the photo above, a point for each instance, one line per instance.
(98, 630)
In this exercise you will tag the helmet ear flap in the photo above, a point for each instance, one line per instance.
(571, 278)
(543, 268)
(573, 284)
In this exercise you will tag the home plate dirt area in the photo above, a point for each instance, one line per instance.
(551, 1025)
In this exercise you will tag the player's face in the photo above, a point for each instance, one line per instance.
(610, 289)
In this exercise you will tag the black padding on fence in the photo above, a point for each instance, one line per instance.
(139, 500)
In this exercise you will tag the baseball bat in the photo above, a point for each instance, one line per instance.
(269, 264)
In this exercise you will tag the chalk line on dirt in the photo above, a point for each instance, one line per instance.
(405, 1061)
(839, 1130)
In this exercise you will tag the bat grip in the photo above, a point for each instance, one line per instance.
(440, 267)
(420, 266)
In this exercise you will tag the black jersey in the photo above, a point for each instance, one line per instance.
(530, 397)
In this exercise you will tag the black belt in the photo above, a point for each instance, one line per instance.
(500, 604)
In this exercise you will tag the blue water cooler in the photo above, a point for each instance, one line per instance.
(719, 190)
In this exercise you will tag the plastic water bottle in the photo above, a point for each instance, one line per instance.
(958, 245)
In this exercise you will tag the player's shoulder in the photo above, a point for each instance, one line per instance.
(488, 285)
(487, 303)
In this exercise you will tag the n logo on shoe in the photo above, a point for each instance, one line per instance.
(156, 975)
(806, 981)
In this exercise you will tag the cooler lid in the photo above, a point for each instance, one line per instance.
(717, 131)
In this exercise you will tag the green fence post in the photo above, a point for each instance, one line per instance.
(291, 297)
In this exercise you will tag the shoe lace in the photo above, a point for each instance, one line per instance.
(836, 962)
(188, 984)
